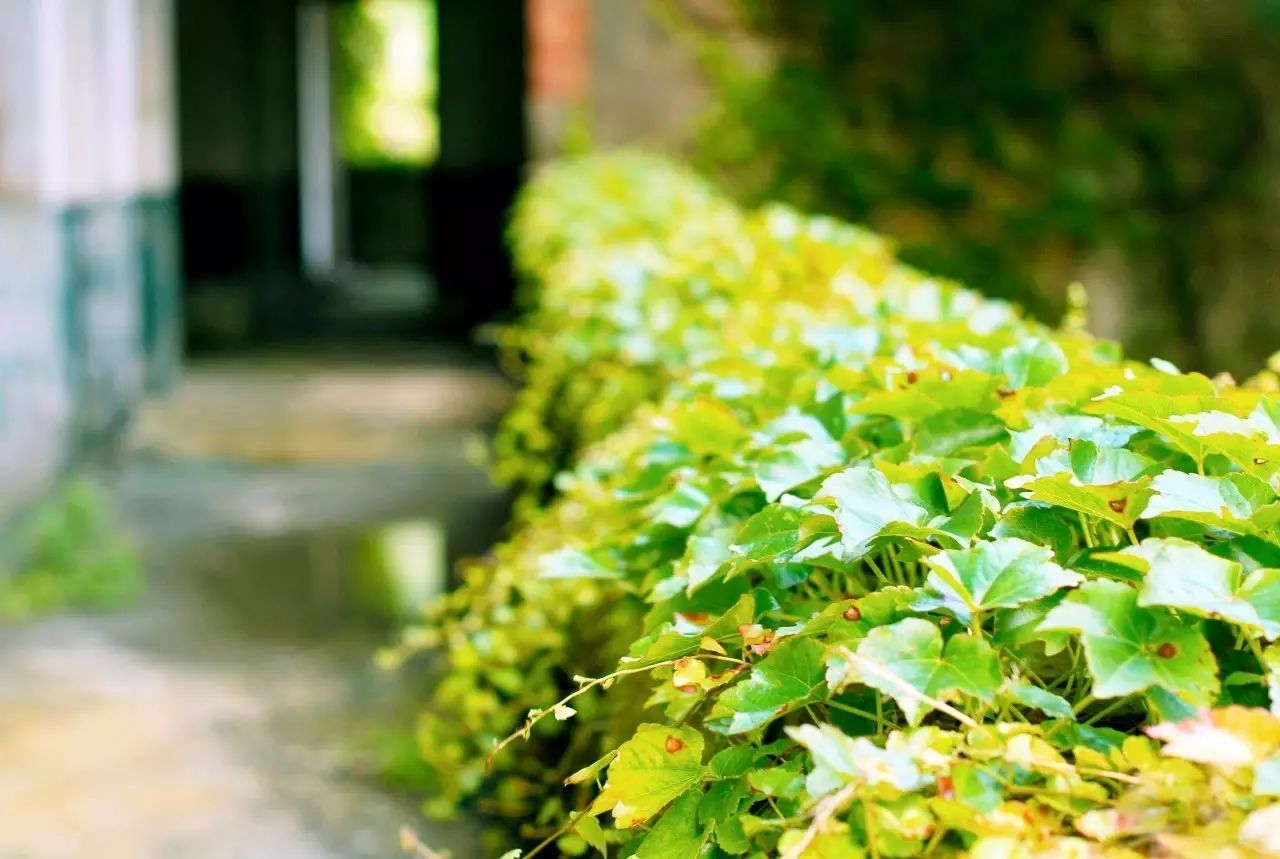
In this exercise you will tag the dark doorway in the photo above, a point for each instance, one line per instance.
(329, 190)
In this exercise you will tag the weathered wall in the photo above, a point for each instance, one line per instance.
(615, 67)
(88, 242)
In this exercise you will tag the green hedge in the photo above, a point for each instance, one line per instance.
(819, 556)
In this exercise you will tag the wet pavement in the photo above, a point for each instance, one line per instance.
(228, 714)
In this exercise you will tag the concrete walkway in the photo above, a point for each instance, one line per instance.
(227, 715)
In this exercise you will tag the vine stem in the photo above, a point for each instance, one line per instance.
(1088, 534)
(588, 684)
(410, 843)
(542, 845)
(826, 809)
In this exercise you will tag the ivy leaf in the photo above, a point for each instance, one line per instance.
(1129, 648)
(1029, 695)
(1033, 363)
(677, 835)
(1252, 443)
(1096, 466)
(704, 556)
(658, 764)
(707, 427)
(788, 677)
(1036, 522)
(995, 574)
(1154, 411)
(1120, 503)
(788, 466)
(946, 432)
(672, 644)
(912, 651)
(833, 843)
(768, 535)
(839, 759)
(865, 503)
(679, 508)
(1070, 428)
(1182, 575)
(588, 829)
(1236, 502)
(570, 563)
(934, 392)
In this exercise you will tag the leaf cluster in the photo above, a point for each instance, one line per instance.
(861, 563)
(68, 554)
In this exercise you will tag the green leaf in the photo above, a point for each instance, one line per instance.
(769, 535)
(1120, 503)
(1129, 648)
(1252, 443)
(1046, 702)
(933, 393)
(788, 677)
(834, 843)
(946, 432)
(1236, 502)
(996, 574)
(704, 556)
(976, 787)
(707, 427)
(588, 828)
(1096, 466)
(658, 764)
(865, 503)
(570, 563)
(1180, 574)
(789, 465)
(723, 798)
(839, 759)
(782, 782)
(677, 835)
(1036, 522)
(733, 761)
(1154, 410)
(912, 651)
(1070, 428)
(673, 645)
(681, 507)
(1033, 363)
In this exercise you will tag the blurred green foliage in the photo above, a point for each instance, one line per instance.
(1001, 141)
(69, 555)
(387, 82)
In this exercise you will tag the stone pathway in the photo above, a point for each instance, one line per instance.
(226, 716)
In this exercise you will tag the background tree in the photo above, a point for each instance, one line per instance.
(1019, 146)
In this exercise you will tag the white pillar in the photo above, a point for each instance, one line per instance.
(319, 168)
